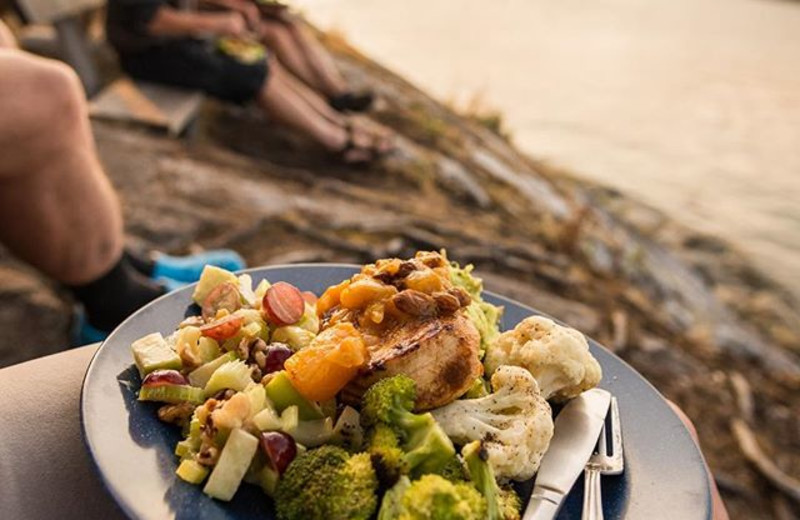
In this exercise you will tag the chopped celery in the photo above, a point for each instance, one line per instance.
(252, 330)
(152, 352)
(295, 337)
(246, 290)
(348, 432)
(290, 418)
(207, 349)
(201, 375)
(172, 394)
(233, 374)
(250, 316)
(184, 449)
(310, 433)
(258, 398)
(261, 290)
(282, 394)
(310, 320)
(211, 277)
(268, 480)
(233, 463)
(267, 420)
(192, 472)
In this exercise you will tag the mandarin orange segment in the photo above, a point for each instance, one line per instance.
(426, 281)
(362, 292)
(333, 359)
(330, 298)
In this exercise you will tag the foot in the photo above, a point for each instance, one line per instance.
(362, 146)
(187, 269)
(353, 101)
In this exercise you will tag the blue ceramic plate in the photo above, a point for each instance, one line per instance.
(664, 474)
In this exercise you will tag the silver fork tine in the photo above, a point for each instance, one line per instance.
(603, 463)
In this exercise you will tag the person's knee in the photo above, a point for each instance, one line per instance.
(49, 94)
(59, 91)
(42, 110)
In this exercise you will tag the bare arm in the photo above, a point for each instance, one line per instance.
(171, 22)
(7, 39)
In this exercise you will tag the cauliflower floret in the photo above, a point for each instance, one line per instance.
(514, 422)
(558, 357)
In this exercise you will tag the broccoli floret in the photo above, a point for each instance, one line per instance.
(390, 401)
(327, 483)
(453, 470)
(501, 504)
(388, 458)
(432, 498)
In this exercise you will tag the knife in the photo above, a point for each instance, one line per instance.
(577, 428)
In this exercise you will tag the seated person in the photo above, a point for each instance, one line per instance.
(58, 211)
(158, 41)
(299, 51)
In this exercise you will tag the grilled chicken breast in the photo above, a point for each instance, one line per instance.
(440, 354)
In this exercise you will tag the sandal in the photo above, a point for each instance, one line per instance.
(352, 101)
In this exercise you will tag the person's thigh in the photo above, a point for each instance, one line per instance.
(196, 65)
(44, 468)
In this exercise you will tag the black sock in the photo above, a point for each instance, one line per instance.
(116, 295)
(141, 262)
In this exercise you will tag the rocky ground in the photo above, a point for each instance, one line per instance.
(685, 310)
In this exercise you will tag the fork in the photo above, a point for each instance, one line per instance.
(602, 463)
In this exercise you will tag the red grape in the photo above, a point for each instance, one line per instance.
(280, 450)
(224, 296)
(164, 377)
(276, 357)
(283, 304)
(309, 297)
(223, 329)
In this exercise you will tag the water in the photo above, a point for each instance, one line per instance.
(690, 105)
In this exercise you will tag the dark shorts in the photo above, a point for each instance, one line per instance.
(198, 65)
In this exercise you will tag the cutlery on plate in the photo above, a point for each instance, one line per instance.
(577, 428)
(602, 463)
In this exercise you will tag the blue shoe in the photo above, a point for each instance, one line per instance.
(83, 333)
(187, 269)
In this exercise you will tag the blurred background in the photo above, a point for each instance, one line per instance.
(692, 106)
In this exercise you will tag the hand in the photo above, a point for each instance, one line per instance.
(230, 24)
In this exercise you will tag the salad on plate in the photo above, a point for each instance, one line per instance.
(392, 395)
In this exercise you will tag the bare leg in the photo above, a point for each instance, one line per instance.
(304, 56)
(58, 209)
(286, 106)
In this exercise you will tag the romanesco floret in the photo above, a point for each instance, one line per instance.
(426, 446)
(432, 498)
(557, 356)
(500, 503)
(514, 422)
(327, 483)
